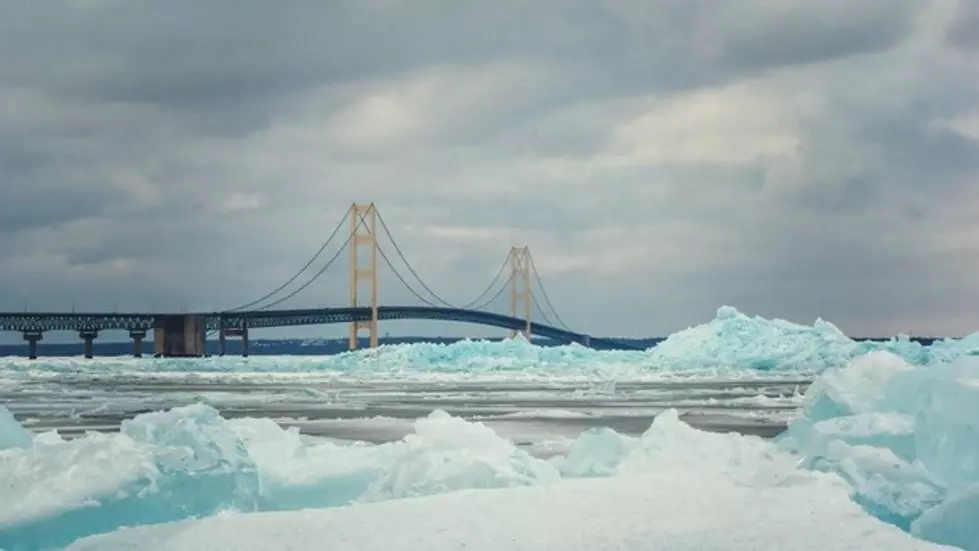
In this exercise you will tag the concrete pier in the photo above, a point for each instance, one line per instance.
(179, 335)
(233, 332)
(32, 338)
(137, 336)
(89, 336)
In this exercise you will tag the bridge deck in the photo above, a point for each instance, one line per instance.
(39, 322)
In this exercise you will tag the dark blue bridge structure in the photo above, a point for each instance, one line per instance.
(88, 325)
(185, 333)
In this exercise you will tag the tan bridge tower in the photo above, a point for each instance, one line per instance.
(363, 234)
(520, 297)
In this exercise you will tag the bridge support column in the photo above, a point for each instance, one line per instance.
(520, 288)
(363, 232)
(240, 331)
(89, 336)
(32, 338)
(137, 335)
(180, 335)
(244, 341)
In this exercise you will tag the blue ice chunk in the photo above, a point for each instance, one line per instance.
(172, 465)
(735, 339)
(597, 452)
(295, 474)
(447, 454)
(887, 487)
(954, 522)
(944, 400)
(12, 434)
(905, 438)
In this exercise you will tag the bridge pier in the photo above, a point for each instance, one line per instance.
(137, 335)
(244, 340)
(32, 338)
(179, 335)
(89, 336)
(226, 332)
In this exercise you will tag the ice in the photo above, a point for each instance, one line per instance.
(733, 493)
(953, 522)
(493, 359)
(597, 452)
(297, 474)
(12, 434)
(859, 388)
(905, 438)
(448, 453)
(162, 466)
(636, 513)
(189, 462)
(888, 430)
(733, 344)
(733, 338)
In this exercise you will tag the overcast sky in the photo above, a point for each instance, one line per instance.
(803, 159)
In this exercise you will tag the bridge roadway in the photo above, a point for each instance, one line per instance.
(34, 324)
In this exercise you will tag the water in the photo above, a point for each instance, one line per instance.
(376, 410)
(882, 443)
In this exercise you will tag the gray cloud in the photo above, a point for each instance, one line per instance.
(661, 158)
(964, 29)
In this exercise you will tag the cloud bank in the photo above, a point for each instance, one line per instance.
(818, 158)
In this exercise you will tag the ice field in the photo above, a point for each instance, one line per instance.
(503, 446)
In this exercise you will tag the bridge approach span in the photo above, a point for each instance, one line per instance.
(253, 319)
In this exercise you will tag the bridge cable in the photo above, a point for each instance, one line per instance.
(317, 274)
(486, 303)
(408, 264)
(563, 325)
(489, 288)
(296, 276)
(402, 279)
(387, 260)
(404, 259)
(335, 257)
(547, 299)
(533, 297)
(543, 314)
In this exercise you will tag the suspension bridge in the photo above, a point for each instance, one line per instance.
(184, 334)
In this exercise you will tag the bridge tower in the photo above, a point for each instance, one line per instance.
(520, 297)
(363, 237)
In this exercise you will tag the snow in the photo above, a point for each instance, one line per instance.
(885, 452)
(457, 485)
(189, 462)
(652, 511)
